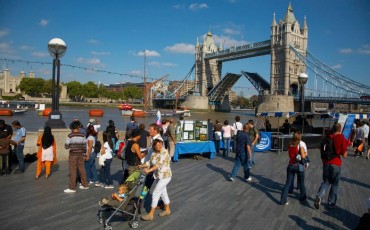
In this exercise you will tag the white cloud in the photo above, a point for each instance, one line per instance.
(40, 54)
(154, 63)
(197, 6)
(89, 61)
(337, 66)
(149, 53)
(346, 51)
(93, 41)
(227, 41)
(6, 48)
(136, 72)
(168, 64)
(179, 6)
(181, 48)
(43, 22)
(26, 47)
(364, 49)
(231, 31)
(4, 32)
(100, 53)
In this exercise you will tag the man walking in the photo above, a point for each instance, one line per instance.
(253, 134)
(76, 143)
(243, 153)
(331, 169)
(20, 137)
(9, 133)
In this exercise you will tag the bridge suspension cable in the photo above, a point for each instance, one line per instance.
(331, 76)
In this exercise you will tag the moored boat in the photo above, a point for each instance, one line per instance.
(125, 106)
(96, 112)
(126, 112)
(6, 112)
(138, 113)
(19, 111)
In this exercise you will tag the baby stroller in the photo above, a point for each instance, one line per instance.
(130, 206)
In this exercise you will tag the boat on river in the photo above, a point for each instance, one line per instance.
(19, 111)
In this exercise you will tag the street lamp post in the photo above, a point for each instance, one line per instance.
(57, 48)
(302, 78)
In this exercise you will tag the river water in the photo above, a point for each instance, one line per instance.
(33, 122)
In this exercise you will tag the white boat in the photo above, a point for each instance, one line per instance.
(126, 112)
(19, 111)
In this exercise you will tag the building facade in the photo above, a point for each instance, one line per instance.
(8, 83)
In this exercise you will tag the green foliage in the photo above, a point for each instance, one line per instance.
(74, 90)
(32, 86)
(132, 92)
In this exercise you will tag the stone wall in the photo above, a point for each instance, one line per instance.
(275, 103)
(60, 136)
(196, 102)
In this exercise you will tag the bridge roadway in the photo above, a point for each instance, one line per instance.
(201, 198)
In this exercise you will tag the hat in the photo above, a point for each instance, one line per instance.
(92, 120)
(135, 133)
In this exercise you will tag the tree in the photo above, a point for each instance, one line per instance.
(90, 89)
(74, 90)
(132, 92)
(32, 86)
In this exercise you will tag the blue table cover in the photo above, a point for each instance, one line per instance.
(194, 147)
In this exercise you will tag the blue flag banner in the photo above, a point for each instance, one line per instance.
(348, 125)
(265, 143)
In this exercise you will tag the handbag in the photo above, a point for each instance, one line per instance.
(360, 147)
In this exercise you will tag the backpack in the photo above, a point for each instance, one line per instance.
(121, 154)
(327, 149)
(97, 146)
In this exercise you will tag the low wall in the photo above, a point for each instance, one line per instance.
(275, 103)
(60, 136)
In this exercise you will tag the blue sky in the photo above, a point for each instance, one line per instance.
(111, 35)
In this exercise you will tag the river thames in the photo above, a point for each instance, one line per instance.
(33, 122)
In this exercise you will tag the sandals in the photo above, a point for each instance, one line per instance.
(147, 217)
(164, 213)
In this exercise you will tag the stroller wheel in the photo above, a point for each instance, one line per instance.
(134, 224)
(108, 227)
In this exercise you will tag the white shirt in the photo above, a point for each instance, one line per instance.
(108, 151)
(150, 150)
(238, 126)
(302, 144)
(366, 130)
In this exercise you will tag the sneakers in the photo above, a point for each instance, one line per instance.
(109, 186)
(285, 204)
(103, 201)
(98, 184)
(69, 190)
(231, 178)
(249, 179)
(83, 187)
(317, 202)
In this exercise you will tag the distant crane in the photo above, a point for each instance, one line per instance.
(147, 88)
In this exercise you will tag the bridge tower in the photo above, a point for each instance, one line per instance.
(207, 72)
(285, 66)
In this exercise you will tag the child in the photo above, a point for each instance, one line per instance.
(106, 153)
(116, 198)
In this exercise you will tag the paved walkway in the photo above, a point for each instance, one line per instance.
(201, 197)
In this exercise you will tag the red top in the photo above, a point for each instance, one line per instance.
(292, 150)
(340, 144)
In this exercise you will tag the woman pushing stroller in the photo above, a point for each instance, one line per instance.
(159, 163)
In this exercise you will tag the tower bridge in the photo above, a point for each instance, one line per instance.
(289, 57)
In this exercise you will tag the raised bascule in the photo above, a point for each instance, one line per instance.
(289, 58)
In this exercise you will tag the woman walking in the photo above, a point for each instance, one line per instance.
(47, 152)
(227, 130)
(159, 163)
(105, 161)
(90, 167)
(297, 154)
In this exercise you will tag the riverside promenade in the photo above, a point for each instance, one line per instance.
(201, 197)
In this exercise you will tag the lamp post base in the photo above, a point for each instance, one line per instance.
(55, 120)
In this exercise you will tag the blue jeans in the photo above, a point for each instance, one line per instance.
(240, 159)
(251, 161)
(19, 153)
(226, 146)
(291, 171)
(217, 146)
(90, 168)
(105, 172)
(331, 174)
